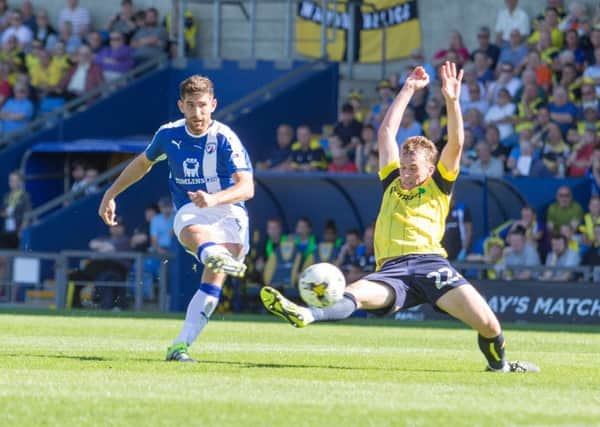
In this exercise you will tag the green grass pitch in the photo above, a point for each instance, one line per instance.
(99, 370)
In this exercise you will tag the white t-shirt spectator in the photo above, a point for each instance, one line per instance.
(78, 17)
(493, 169)
(507, 21)
(22, 33)
(497, 112)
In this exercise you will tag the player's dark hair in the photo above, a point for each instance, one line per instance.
(196, 84)
(420, 143)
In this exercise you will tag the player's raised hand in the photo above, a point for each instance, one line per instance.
(202, 199)
(107, 211)
(417, 79)
(451, 81)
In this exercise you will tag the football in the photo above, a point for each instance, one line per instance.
(321, 285)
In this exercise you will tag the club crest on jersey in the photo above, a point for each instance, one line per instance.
(211, 147)
(190, 168)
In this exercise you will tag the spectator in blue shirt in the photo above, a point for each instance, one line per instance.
(17, 111)
(161, 227)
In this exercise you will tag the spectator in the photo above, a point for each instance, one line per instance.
(355, 99)
(17, 111)
(304, 239)
(367, 150)
(562, 111)
(190, 29)
(161, 227)
(521, 159)
(348, 128)
(44, 31)
(408, 126)
(279, 158)
(529, 225)
(17, 29)
(476, 101)
(45, 75)
(456, 45)
(577, 13)
(95, 42)
(4, 15)
(484, 45)
(77, 177)
(592, 256)
(492, 138)
(493, 256)
(543, 73)
(554, 145)
(589, 99)
(150, 40)
(28, 16)
(60, 57)
(459, 230)
(329, 247)
(111, 270)
(560, 256)
(386, 96)
(515, 52)
(349, 254)
(435, 117)
(116, 59)
(484, 74)
(140, 239)
(486, 164)
(563, 211)
(71, 41)
(307, 154)
(78, 16)
(590, 220)
(83, 77)
(580, 159)
(123, 22)
(506, 80)
(468, 154)
(90, 185)
(474, 122)
(528, 107)
(366, 258)
(5, 86)
(340, 162)
(501, 114)
(418, 59)
(519, 255)
(592, 71)
(274, 238)
(550, 25)
(593, 174)
(572, 45)
(509, 18)
(16, 205)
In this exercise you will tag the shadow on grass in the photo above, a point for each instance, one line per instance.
(62, 356)
(273, 365)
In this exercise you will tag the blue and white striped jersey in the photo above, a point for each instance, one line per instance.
(206, 162)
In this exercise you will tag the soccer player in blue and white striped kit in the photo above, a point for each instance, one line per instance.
(210, 178)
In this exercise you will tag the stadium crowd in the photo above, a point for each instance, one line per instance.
(44, 63)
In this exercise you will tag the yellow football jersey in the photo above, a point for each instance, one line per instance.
(412, 221)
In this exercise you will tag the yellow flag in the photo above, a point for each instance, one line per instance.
(397, 18)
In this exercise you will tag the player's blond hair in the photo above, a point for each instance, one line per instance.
(196, 84)
(420, 143)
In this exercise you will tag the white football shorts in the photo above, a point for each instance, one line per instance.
(227, 223)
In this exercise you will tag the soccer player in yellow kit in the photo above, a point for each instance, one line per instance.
(412, 268)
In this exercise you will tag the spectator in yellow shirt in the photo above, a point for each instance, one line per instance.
(45, 74)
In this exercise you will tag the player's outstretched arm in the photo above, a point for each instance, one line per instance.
(134, 171)
(242, 190)
(451, 81)
(386, 136)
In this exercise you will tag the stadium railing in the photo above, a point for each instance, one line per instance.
(48, 275)
(52, 118)
(588, 274)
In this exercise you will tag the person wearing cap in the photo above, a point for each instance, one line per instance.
(355, 98)
(492, 255)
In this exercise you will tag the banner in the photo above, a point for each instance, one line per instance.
(399, 20)
(530, 302)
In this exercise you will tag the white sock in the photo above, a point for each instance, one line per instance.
(209, 249)
(199, 310)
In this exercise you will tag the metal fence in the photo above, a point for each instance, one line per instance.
(49, 279)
